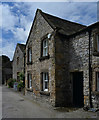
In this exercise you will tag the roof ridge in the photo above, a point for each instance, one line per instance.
(20, 44)
(60, 18)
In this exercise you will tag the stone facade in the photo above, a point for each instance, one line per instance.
(19, 61)
(40, 29)
(67, 55)
(79, 60)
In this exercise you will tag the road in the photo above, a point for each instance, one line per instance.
(15, 105)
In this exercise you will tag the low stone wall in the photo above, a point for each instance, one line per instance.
(95, 99)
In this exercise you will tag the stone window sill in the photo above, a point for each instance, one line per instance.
(96, 53)
(95, 93)
(29, 89)
(29, 63)
(44, 58)
(45, 93)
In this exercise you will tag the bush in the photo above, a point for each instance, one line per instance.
(21, 82)
(10, 82)
(20, 85)
(21, 76)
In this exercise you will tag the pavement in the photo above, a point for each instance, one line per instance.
(16, 105)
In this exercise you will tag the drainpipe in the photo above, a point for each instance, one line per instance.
(90, 70)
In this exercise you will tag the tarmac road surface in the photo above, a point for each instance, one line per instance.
(15, 105)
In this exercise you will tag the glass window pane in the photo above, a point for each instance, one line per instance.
(46, 51)
(43, 76)
(44, 43)
(45, 81)
(46, 85)
(45, 47)
(47, 76)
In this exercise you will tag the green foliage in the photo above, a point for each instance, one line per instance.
(21, 76)
(10, 82)
(20, 83)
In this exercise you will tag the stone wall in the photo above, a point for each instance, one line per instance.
(95, 99)
(63, 90)
(20, 66)
(66, 56)
(79, 60)
(39, 30)
(95, 68)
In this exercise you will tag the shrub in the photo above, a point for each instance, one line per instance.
(21, 76)
(20, 85)
(21, 82)
(10, 82)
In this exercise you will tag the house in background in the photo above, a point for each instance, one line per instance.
(62, 61)
(6, 69)
(19, 61)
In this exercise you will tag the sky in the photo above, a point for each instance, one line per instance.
(16, 19)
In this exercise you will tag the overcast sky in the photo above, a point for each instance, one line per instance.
(17, 18)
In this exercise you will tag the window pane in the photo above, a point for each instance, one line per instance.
(45, 47)
(47, 76)
(44, 43)
(45, 81)
(46, 85)
(46, 51)
(97, 81)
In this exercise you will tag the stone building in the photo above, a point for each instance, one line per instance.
(19, 61)
(5, 69)
(62, 61)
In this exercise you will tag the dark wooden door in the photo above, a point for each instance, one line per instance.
(78, 99)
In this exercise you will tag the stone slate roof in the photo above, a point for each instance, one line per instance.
(64, 26)
(22, 47)
(88, 28)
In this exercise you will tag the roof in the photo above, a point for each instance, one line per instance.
(64, 26)
(88, 28)
(22, 47)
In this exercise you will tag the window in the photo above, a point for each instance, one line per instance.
(98, 43)
(30, 55)
(29, 81)
(17, 60)
(45, 47)
(97, 79)
(45, 81)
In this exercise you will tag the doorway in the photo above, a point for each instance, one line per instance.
(78, 98)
